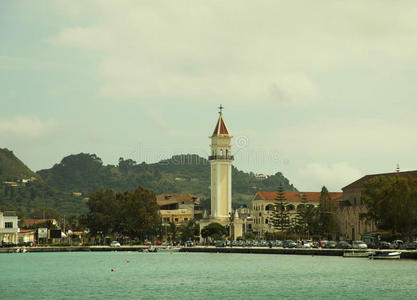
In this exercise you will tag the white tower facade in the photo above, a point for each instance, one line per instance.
(221, 170)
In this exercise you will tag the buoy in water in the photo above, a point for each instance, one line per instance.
(128, 260)
(112, 269)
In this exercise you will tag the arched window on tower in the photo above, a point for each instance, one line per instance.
(227, 153)
(221, 152)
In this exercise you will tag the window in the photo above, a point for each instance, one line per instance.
(8, 225)
(185, 219)
(166, 220)
(176, 220)
(266, 221)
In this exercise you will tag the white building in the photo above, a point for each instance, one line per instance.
(8, 227)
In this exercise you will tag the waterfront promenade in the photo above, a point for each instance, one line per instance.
(409, 254)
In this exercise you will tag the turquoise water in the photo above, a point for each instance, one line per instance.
(202, 276)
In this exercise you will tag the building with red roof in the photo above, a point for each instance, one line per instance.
(263, 204)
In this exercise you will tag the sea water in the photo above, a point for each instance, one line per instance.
(136, 275)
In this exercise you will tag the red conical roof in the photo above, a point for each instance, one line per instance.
(220, 127)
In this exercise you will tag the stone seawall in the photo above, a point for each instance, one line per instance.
(245, 250)
(71, 249)
(289, 251)
(293, 251)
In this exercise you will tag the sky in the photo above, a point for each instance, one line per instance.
(322, 91)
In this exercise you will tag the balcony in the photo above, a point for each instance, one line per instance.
(221, 157)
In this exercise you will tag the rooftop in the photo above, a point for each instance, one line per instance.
(296, 196)
(359, 183)
(167, 199)
(221, 128)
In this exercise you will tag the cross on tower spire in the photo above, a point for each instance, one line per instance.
(220, 109)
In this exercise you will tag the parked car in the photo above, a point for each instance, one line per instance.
(322, 244)
(411, 245)
(115, 244)
(384, 245)
(397, 244)
(289, 244)
(359, 245)
(343, 245)
(188, 243)
(330, 245)
(306, 244)
(221, 244)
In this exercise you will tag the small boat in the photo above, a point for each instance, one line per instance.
(152, 249)
(386, 255)
(357, 254)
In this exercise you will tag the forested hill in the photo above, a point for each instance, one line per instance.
(181, 173)
(11, 168)
(66, 185)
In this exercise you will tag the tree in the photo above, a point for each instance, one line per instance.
(173, 231)
(189, 231)
(250, 236)
(307, 217)
(135, 214)
(280, 216)
(391, 203)
(214, 230)
(326, 214)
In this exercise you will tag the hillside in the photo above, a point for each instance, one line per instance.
(181, 173)
(11, 168)
(66, 185)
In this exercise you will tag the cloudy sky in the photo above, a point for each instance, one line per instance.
(322, 91)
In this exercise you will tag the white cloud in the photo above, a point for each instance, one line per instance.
(333, 176)
(212, 51)
(26, 127)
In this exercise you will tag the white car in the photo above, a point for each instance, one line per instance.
(115, 244)
(359, 245)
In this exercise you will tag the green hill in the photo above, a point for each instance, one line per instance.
(66, 185)
(181, 173)
(11, 168)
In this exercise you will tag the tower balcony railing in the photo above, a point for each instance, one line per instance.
(221, 157)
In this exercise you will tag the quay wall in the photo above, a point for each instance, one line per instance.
(71, 249)
(406, 254)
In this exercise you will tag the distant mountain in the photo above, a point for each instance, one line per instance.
(66, 185)
(11, 168)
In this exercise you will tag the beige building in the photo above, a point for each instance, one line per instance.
(8, 227)
(178, 208)
(27, 235)
(263, 205)
(350, 224)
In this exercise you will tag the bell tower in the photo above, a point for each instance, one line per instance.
(221, 170)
